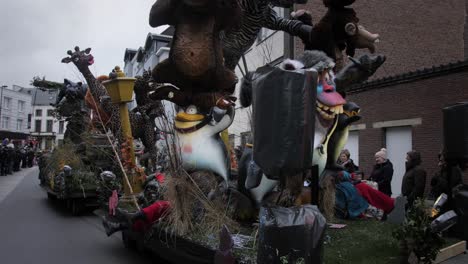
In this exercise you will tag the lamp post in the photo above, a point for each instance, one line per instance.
(120, 90)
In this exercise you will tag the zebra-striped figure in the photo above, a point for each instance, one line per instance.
(255, 15)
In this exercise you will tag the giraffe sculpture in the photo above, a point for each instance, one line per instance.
(141, 123)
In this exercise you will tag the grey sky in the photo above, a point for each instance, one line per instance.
(36, 34)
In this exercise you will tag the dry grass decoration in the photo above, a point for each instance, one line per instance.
(199, 207)
(66, 155)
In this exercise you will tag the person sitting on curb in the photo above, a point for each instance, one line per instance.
(345, 161)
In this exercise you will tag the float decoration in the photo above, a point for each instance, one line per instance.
(195, 63)
(337, 30)
(254, 15)
(142, 127)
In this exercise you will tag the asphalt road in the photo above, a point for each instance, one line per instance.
(35, 230)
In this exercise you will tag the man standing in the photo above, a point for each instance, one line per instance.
(414, 180)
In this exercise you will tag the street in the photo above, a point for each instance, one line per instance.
(36, 230)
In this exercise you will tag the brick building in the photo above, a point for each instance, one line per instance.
(425, 45)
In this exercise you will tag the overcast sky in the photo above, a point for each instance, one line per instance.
(36, 34)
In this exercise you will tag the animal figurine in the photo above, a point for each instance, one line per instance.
(254, 15)
(338, 29)
(358, 71)
(329, 104)
(201, 147)
(195, 64)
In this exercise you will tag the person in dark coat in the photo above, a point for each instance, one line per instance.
(347, 163)
(449, 175)
(382, 172)
(414, 180)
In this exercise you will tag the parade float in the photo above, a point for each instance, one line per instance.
(275, 211)
(68, 172)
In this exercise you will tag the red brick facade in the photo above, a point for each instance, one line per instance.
(413, 34)
(417, 99)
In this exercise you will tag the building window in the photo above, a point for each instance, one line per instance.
(37, 127)
(61, 126)
(50, 112)
(6, 102)
(38, 112)
(49, 125)
(29, 120)
(5, 122)
(60, 142)
(19, 124)
(21, 106)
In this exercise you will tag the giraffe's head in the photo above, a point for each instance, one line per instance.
(81, 58)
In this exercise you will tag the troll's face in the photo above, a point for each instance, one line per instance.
(329, 101)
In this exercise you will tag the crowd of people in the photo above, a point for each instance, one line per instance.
(13, 157)
(375, 191)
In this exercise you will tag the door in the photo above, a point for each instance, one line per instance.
(398, 143)
(353, 146)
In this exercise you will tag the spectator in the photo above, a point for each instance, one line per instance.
(346, 162)
(414, 180)
(449, 176)
(383, 172)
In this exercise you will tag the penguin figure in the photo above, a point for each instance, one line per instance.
(252, 182)
(200, 144)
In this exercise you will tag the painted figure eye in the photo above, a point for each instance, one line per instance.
(191, 110)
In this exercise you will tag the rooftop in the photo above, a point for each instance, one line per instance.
(41, 97)
(424, 73)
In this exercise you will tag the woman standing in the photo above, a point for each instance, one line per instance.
(382, 172)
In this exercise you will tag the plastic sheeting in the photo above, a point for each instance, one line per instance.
(294, 234)
(456, 131)
(460, 197)
(284, 120)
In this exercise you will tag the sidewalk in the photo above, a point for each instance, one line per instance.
(460, 259)
(9, 182)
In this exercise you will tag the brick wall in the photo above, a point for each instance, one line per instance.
(414, 34)
(419, 99)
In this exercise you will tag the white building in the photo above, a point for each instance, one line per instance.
(45, 129)
(15, 110)
(156, 49)
(271, 47)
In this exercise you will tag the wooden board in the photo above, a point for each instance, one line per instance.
(451, 251)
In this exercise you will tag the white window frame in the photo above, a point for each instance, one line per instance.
(21, 105)
(6, 102)
(5, 122)
(19, 124)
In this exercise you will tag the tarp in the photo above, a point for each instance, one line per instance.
(294, 234)
(456, 132)
(284, 120)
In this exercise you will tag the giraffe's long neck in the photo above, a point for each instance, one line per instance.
(97, 89)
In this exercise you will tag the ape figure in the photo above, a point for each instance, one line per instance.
(195, 64)
(71, 91)
(337, 30)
